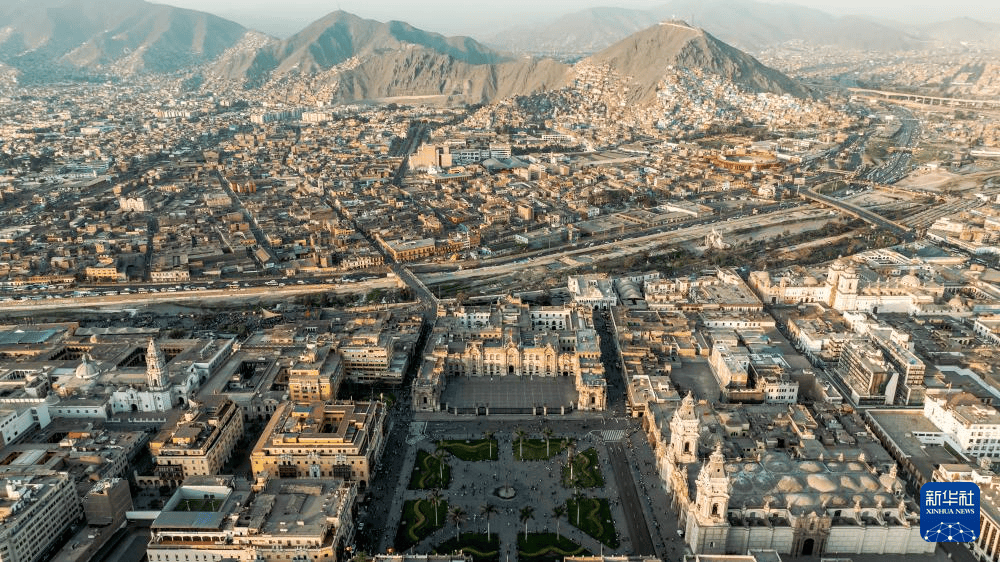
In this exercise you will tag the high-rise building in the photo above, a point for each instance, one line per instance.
(36, 507)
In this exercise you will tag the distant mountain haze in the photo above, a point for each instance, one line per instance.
(745, 24)
(115, 36)
(390, 59)
(354, 58)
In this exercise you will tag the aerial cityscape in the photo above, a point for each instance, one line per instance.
(696, 282)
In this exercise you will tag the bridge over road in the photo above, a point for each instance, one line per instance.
(904, 232)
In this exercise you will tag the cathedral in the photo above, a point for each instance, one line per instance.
(795, 500)
(156, 395)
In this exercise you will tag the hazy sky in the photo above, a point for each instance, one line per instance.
(474, 17)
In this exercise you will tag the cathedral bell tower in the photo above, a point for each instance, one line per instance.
(156, 368)
(157, 395)
(684, 428)
(707, 518)
(712, 499)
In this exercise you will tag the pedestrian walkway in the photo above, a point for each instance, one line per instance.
(613, 434)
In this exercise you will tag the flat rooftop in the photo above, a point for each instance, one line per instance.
(899, 426)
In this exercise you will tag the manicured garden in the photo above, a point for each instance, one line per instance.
(593, 516)
(481, 548)
(537, 449)
(546, 547)
(419, 521)
(429, 472)
(586, 471)
(471, 449)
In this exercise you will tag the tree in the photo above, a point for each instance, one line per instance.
(577, 499)
(527, 513)
(488, 510)
(558, 512)
(457, 517)
(434, 496)
(570, 457)
(439, 455)
(489, 440)
(547, 432)
(520, 438)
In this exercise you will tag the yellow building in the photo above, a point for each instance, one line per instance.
(316, 376)
(200, 443)
(319, 440)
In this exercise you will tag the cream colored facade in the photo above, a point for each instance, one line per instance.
(320, 440)
(794, 505)
(200, 443)
(316, 376)
(510, 338)
(986, 547)
(304, 520)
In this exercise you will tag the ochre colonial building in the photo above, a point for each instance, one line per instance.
(321, 440)
(512, 339)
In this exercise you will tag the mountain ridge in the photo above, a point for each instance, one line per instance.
(109, 36)
(745, 24)
(675, 43)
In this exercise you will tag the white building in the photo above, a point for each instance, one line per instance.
(592, 291)
(156, 395)
(36, 507)
(966, 424)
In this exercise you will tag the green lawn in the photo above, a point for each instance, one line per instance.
(427, 472)
(476, 544)
(417, 522)
(546, 547)
(594, 516)
(586, 470)
(472, 450)
(534, 449)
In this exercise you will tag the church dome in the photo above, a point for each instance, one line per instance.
(86, 369)
(910, 281)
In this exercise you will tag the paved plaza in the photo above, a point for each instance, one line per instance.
(538, 485)
(509, 393)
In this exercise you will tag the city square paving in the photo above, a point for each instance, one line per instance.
(630, 485)
(509, 392)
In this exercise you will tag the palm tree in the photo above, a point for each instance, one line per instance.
(520, 438)
(457, 516)
(547, 432)
(487, 510)
(570, 457)
(577, 498)
(489, 439)
(434, 496)
(527, 513)
(558, 512)
(439, 455)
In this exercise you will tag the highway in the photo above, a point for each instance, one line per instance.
(642, 543)
(132, 300)
(629, 246)
(853, 210)
(897, 165)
